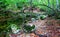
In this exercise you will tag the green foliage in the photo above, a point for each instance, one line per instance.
(42, 17)
(15, 3)
(57, 15)
(3, 6)
(29, 28)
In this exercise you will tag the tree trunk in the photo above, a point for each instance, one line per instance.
(57, 4)
(48, 3)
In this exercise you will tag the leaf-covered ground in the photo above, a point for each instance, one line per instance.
(48, 27)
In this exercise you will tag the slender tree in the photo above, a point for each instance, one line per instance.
(57, 4)
(49, 3)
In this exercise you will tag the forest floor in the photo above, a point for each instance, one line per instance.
(49, 27)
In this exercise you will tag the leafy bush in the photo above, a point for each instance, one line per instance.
(28, 28)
